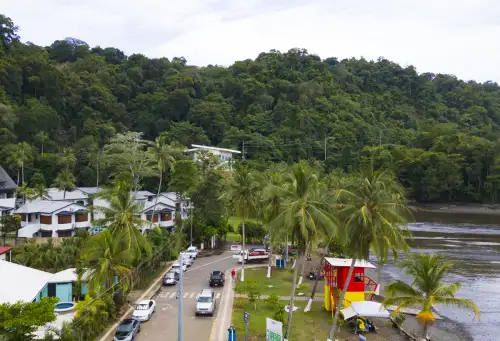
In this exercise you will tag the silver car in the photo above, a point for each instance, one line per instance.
(205, 302)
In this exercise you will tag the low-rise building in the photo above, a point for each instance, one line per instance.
(48, 218)
(224, 155)
(7, 185)
(7, 205)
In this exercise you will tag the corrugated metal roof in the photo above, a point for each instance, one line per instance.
(346, 262)
(57, 194)
(20, 283)
(4, 249)
(42, 206)
(7, 204)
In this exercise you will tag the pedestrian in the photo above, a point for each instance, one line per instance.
(233, 274)
(361, 337)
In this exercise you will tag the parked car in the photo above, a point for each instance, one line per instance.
(192, 252)
(205, 302)
(254, 255)
(144, 310)
(217, 278)
(127, 330)
(171, 278)
(187, 261)
(177, 266)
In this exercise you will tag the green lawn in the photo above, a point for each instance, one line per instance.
(281, 281)
(233, 237)
(236, 221)
(313, 325)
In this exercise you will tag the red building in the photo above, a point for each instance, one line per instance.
(360, 287)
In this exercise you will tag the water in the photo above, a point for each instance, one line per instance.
(64, 305)
(475, 251)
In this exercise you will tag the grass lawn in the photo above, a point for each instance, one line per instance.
(233, 237)
(281, 281)
(236, 221)
(314, 325)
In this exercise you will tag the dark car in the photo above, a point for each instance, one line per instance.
(127, 330)
(216, 278)
(171, 278)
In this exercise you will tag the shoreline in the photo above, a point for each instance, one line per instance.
(456, 208)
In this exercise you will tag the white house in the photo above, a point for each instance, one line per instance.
(49, 218)
(75, 196)
(224, 154)
(164, 214)
(7, 205)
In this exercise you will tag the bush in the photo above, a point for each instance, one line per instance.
(253, 292)
(279, 313)
(254, 232)
(273, 301)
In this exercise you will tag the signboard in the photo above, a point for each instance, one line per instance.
(246, 317)
(235, 247)
(274, 330)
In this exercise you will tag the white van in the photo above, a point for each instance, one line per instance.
(254, 256)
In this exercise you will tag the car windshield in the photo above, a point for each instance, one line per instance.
(141, 307)
(215, 276)
(175, 266)
(125, 327)
(205, 299)
(170, 275)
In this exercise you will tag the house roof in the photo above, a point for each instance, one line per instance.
(28, 230)
(346, 262)
(7, 204)
(89, 190)
(42, 206)
(57, 194)
(20, 283)
(6, 182)
(4, 249)
(197, 147)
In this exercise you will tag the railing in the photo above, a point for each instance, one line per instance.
(372, 285)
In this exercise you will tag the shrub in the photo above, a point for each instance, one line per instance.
(272, 300)
(253, 291)
(279, 313)
(254, 232)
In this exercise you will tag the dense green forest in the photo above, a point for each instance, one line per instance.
(438, 133)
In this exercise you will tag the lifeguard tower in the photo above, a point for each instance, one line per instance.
(360, 288)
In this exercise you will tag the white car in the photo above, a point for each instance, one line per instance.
(144, 310)
(187, 261)
(192, 252)
(176, 267)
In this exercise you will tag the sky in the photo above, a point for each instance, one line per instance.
(459, 37)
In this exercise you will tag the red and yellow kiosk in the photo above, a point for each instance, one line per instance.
(360, 287)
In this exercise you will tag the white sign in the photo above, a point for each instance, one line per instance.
(274, 330)
(235, 247)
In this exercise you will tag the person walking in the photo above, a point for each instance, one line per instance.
(233, 274)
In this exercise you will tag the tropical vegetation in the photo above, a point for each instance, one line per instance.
(426, 290)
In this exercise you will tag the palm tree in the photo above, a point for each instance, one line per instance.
(306, 212)
(20, 154)
(159, 237)
(244, 198)
(105, 259)
(42, 137)
(123, 216)
(426, 289)
(92, 314)
(161, 154)
(375, 218)
(65, 181)
(67, 159)
(25, 192)
(40, 191)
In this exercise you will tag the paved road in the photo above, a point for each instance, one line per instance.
(163, 324)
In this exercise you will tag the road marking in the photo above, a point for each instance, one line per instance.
(212, 330)
(218, 295)
(191, 295)
(202, 266)
(185, 295)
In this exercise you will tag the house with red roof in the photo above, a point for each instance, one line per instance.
(6, 253)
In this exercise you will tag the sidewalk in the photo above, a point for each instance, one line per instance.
(283, 298)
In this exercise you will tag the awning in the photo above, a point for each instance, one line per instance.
(65, 213)
(365, 309)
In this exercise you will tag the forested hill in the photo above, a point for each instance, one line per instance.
(440, 134)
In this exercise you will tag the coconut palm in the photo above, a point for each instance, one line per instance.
(25, 192)
(305, 211)
(244, 198)
(426, 289)
(67, 159)
(42, 137)
(106, 259)
(122, 216)
(19, 155)
(40, 191)
(65, 181)
(161, 155)
(375, 218)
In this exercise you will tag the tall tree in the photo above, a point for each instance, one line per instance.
(160, 154)
(426, 290)
(19, 155)
(67, 159)
(306, 211)
(375, 217)
(244, 196)
(65, 181)
(122, 216)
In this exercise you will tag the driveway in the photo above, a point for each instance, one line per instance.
(163, 324)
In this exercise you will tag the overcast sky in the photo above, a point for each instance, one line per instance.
(459, 37)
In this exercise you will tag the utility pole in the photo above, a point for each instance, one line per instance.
(191, 239)
(179, 317)
(325, 148)
(243, 152)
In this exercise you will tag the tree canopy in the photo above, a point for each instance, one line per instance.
(440, 135)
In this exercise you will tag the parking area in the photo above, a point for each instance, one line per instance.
(163, 324)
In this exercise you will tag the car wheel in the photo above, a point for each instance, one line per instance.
(139, 330)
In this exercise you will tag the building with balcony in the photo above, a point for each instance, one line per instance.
(48, 218)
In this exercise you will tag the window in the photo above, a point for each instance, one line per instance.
(358, 277)
(64, 219)
(46, 219)
(36, 216)
(29, 218)
(165, 216)
(81, 217)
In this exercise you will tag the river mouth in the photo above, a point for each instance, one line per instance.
(475, 251)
